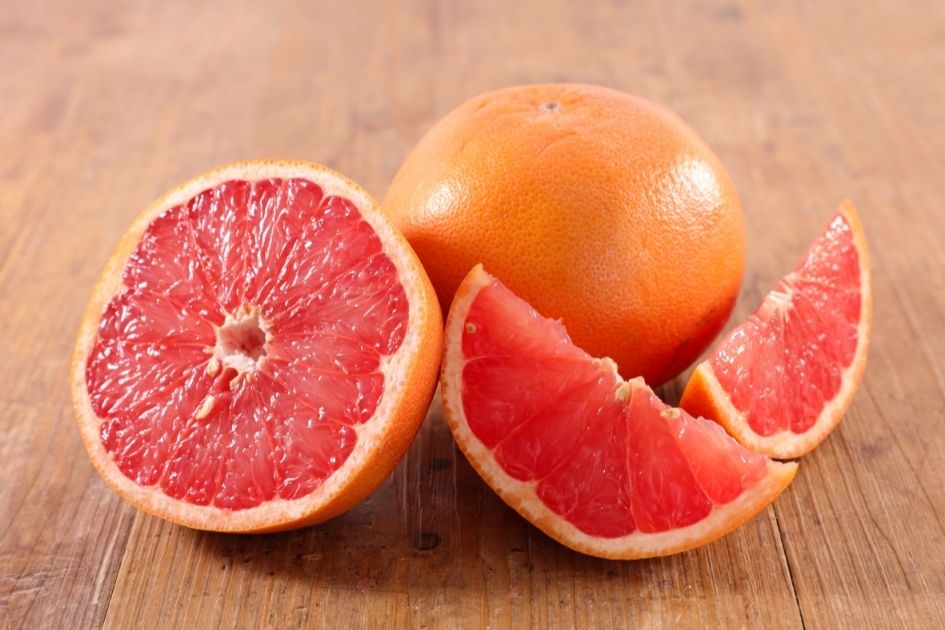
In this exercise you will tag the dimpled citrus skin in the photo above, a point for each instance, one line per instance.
(597, 207)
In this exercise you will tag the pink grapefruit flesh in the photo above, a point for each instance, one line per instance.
(599, 463)
(781, 380)
(250, 342)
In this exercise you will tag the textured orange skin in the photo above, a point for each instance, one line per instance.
(603, 209)
(418, 386)
(704, 395)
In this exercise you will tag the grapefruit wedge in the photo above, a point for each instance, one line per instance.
(782, 380)
(596, 462)
(259, 351)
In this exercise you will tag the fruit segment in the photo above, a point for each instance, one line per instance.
(545, 423)
(245, 346)
(782, 379)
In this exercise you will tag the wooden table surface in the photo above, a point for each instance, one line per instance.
(103, 107)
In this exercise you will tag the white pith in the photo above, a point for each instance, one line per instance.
(393, 367)
(779, 300)
(224, 356)
(522, 496)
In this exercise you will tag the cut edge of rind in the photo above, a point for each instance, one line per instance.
(414, 367)
(521, 496)
(705, 396)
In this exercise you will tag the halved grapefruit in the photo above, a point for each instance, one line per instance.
(259, 351)
(782, 380)
(598, 463)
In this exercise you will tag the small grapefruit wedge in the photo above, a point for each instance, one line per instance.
(782, 380)
(596, 462)
(259, 351)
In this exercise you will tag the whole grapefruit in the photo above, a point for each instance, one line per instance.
(598, 207)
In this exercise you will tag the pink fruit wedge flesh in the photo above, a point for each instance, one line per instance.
(783, 379)
(598, 463)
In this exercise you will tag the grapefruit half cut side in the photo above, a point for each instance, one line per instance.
(782, 380)
(259, 351)
(598, 463)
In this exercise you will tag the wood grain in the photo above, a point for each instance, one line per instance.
(104, 107)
